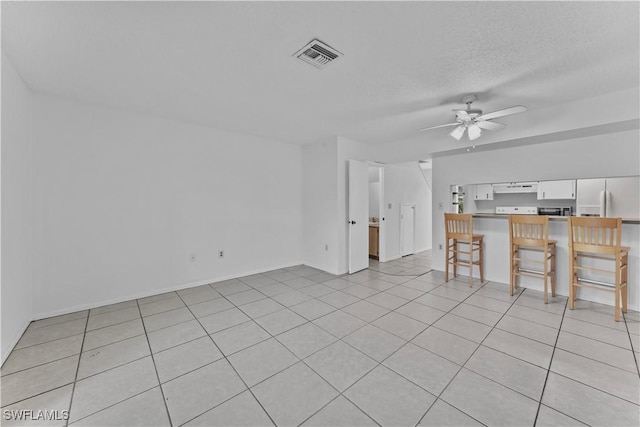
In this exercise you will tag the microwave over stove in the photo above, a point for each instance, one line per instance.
(564, 211)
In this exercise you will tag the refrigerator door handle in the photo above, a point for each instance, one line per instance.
(607, 203)
(602, 204)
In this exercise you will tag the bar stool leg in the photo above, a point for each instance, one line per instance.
(624, 269)
(618, 287)
(471, 251)
(514, 268)
(546, 275)
(553, 271)
(455, 258)
(571, 279)
(481, 260)
(447, 260)
(618, 303)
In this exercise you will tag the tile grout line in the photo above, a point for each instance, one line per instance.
(87, 317)
(75, 380)
(380, 363)
(44, 363)
(333, 400)
(302, 360)
(41, 392)
(340, 339)
(224, 356)
(544, 386)
(341, 393)
(33, 328)
(113, 404)
(559, 330)
(155, 368)
(438, 397)
(591, 358)
(633, 351)
(430, 326)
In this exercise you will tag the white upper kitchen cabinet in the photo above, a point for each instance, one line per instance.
(557, 190)
(483, 192)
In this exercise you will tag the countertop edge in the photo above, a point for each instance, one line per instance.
(551, 218)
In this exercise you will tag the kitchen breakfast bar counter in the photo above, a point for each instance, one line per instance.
(495, 229)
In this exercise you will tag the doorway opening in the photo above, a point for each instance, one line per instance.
(398, 204)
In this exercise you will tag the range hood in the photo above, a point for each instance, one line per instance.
(516, 187)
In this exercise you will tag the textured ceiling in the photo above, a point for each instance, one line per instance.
(406, 64)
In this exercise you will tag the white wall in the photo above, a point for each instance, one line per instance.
(374, 199)
(18, 184)
(374, 191)
(125, 199)
(320, 211)
(405, 183)
(613, 154)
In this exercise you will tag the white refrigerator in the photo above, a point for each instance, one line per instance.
(609, 197)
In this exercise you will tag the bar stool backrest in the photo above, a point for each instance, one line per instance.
(595, 235)
(529, 230)
(458, 226)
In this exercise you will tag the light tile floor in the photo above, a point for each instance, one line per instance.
(298, 346)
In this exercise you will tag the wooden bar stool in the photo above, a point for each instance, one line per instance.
(598, 239)
(531, 233)
(459, 229)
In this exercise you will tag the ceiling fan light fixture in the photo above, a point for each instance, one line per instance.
(474, 132)
(475, 120)
(458, 132)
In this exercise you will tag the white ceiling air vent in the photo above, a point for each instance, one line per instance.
(317, 54)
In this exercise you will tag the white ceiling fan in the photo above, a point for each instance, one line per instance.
(474, 121)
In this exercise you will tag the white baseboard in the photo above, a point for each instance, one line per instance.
(149, 293)
(317, 267)
(395, 257)
(14, 341)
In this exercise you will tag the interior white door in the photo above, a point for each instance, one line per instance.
(407, 235)
(358, 216)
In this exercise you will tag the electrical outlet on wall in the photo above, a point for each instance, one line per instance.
(220, 254)
(440, 246)
(440, 206)
(326, 247)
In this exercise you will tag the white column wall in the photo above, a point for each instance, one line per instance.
(320, 211)
(18, 214)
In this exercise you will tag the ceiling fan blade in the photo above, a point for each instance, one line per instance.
(483, 124)
(474, 132)
(502, 113)
(441, 126)
(458, 132)
(462, 115)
